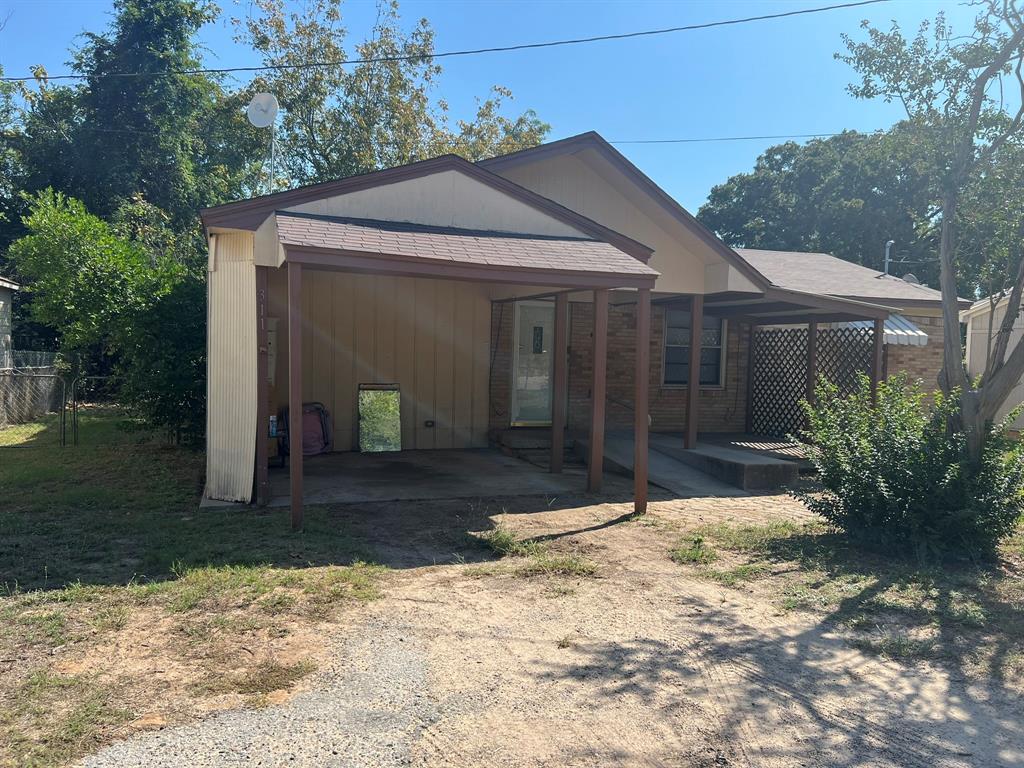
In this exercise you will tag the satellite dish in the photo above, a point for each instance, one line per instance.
(262, 110)
(911, 278)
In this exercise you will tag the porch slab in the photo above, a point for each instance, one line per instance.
(750, 470)
(347, 478)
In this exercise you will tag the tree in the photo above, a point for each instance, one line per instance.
(952, 89)
(845, 195)
(179, 140)
(343, 120)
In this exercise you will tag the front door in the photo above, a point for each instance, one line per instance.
(532, 364)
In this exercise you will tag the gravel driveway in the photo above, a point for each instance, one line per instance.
(640, 666)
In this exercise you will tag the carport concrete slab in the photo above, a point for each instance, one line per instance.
(346, 478)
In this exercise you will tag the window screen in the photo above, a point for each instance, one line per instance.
(677, 348)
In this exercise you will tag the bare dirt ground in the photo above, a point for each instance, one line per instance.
(468, 661)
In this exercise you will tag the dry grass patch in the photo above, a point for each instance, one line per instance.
(964, 613)
(123, 606)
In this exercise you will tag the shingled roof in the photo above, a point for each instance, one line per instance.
(825, 274)
(451, 245)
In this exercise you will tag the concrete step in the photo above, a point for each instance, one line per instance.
(743, 469)
(662, 470)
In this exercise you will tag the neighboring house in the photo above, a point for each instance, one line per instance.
(500, 294)
(7, 289)
(982, 325)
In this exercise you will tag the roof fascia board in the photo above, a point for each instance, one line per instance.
(387, 264)
(831, 303)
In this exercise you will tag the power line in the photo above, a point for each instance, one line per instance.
(451, 54)
(735, 138)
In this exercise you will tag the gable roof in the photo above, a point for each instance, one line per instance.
(823, 273)
(5, 283)
(593, 140)
(249, 214)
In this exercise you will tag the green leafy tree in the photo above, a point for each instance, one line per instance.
(181, 141)
(130, 293)
(845, 195)
(953, 89)
(342, 120)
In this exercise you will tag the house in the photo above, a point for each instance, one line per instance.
(7, 289)
(557, 287)
(983, 319)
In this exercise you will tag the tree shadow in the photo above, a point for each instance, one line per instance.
(801, 696)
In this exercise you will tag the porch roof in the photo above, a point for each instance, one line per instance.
(370, 245)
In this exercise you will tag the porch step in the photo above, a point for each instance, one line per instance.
(662, 470)
(737, 467)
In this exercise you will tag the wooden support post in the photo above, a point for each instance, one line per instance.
(693, 383)
(812, 359)
(751, 370)
(597, 391)
(643, 375)
(560, 381)
(262, 396)
(295, 390)
(877, 354)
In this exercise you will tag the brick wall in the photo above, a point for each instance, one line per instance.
(922, 363)
(722, 409)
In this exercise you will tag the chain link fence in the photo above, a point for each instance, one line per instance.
(43, 406)
(32, 403)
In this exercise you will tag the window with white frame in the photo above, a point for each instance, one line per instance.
(677, 349)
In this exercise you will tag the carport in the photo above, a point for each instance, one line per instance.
(516, 266)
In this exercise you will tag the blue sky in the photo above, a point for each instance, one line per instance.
(764, 78)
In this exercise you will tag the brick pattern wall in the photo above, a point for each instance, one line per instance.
(722, 409)
(922, 363)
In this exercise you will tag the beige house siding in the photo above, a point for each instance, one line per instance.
(978, 350)
(584, 184)
(449, 199)
(430, 337)
(231, 369)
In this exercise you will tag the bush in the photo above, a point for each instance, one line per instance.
(896, 477)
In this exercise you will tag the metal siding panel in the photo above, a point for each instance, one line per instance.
(462, 411)
(444, 371)
(424, 352)
(405, 368)
(345, 437)
(231, 436)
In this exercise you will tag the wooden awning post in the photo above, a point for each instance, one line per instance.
(262, 398)
(877, 354)
(812, 359)
(597, 391)
(693, 382)
(295, 390)
(641, 425)
(560, 382)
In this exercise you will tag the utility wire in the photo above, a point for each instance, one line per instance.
(451, 54)
(736, 138)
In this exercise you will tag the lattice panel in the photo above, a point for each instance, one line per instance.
(780, 381)
(780, 372)
(843, 353)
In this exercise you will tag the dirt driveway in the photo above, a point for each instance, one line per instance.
(470, 663)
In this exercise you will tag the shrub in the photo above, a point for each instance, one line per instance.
(896, 476)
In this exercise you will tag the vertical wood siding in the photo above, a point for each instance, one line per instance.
(231, 371)
(431, 337)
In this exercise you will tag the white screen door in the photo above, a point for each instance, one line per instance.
(533, 358)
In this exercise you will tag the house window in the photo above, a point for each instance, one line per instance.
(677, 349)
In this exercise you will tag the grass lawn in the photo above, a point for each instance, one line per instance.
(970, 615)
(124, 607)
